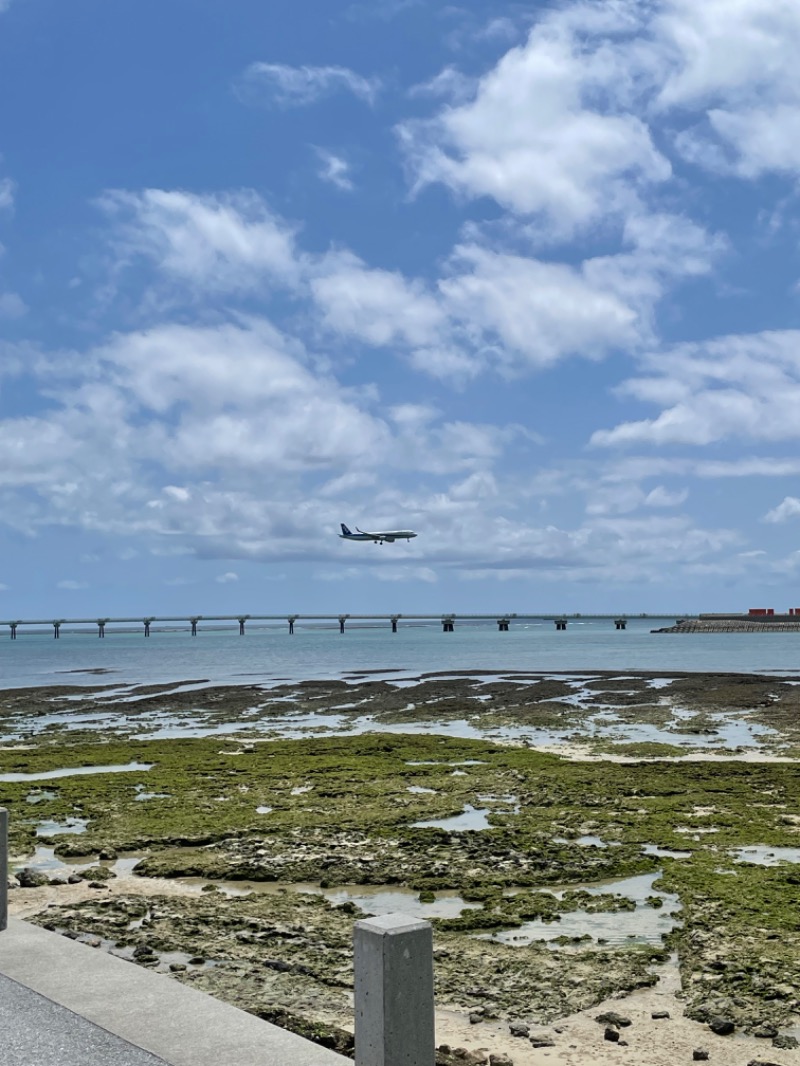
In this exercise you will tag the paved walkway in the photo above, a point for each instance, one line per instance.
(36, 1030)
(64, 1002)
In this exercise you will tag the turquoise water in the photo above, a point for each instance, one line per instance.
(265, 655)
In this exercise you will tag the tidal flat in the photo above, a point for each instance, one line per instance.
(672, 803)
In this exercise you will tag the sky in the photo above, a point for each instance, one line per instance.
(522, 277)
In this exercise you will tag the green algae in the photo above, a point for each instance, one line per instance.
(738, 942)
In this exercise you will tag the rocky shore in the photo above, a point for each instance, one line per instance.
(237, 852)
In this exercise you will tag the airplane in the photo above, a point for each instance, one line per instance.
(377, 538)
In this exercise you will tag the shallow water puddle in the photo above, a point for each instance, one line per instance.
(644, 925)
(471, 818)
(387, 901)
(52, 829)
(763, 855)
(78, 771)
(670, 853)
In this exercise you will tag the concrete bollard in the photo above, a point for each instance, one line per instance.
(3, 868)
(394, 1016)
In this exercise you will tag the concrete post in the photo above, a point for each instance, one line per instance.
(3, 868)
(394, 1015)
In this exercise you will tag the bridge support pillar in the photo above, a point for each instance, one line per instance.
(394, 625)
(342, 619)
(561, 623)
(448, 625)
(502, 625)
(56, 630)
(13, 630)
(620, 623)
(291, 625)
(101, 629)
(147, 627)
(241, 626)
(194, 626)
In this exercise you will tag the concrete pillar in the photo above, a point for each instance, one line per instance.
(291, 626)
(394, 1014)
(620, 623)
(101, 628)
(342, 619)
(241, 626)
(502, 625)
(13, 630)
(194, 626)
(147, 627)
(3, 868)
(394, 625)
(561, 623)
(56, 630)
(448, 625)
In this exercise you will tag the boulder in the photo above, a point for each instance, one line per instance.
(700, 1054)
(30, 878)
(766, 1031)
(612, 1035)
(610, 1017)
(519, 1029)
(722, 1026)
(542, 1040)
(659, 1014)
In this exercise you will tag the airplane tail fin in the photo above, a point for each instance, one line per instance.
(345, 531)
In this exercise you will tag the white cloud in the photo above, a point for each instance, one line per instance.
(380, 306)
(449, 83)
(736, 62)
(537, 310)
(298, 86)
(788, 508)
(488, 310)
(743, 386)
(211, 243)
(542, 135)
(662, 497)
(227, 578)
(334, 170)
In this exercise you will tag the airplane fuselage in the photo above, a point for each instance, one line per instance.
(379, 536)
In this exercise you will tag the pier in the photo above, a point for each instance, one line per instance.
(192, 622)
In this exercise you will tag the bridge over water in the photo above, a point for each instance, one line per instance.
(448, 621)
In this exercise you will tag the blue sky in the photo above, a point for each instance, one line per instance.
(524, 277)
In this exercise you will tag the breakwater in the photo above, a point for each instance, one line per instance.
(733, 625)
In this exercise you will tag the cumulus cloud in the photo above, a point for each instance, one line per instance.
(735, 63)
(227, 578)
(561, 128)
(542, 135)
(743, 386)
(286, 86)
(222, 243)
(380, 306)
(788, 508)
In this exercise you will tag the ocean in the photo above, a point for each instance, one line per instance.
(265, 655)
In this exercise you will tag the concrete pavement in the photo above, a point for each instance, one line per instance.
(65, 1002)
